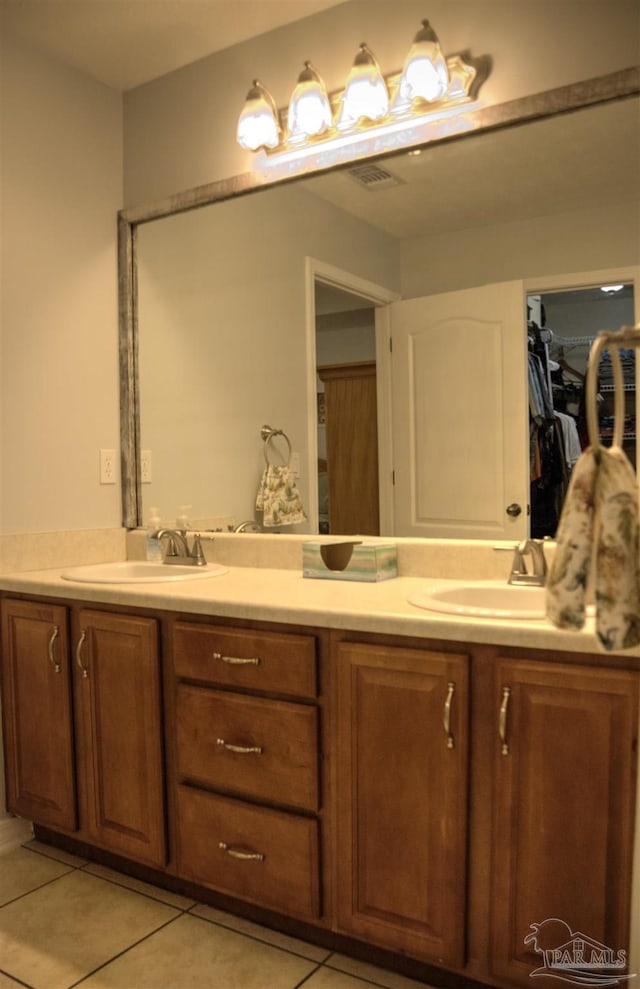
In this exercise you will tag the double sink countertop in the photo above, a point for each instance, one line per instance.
(282, 594)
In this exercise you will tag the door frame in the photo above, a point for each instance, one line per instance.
(379, 296)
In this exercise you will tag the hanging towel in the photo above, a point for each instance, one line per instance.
(279, 498)
(599, 527)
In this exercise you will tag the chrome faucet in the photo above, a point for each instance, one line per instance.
(249, 526)
(534, 549)
(178, 550)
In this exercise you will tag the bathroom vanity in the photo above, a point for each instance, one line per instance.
(331, 760)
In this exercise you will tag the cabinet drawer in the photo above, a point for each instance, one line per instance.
(250, 745)
(253, 853)
(268, 661)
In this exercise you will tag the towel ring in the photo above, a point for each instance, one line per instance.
(604, 342)
(268, 434)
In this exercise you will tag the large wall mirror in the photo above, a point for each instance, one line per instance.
(244, 303)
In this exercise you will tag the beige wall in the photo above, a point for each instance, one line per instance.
(223, 347)
(572, 241)
(61, 186)
(180, 130)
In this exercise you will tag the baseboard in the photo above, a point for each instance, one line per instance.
(14, 831)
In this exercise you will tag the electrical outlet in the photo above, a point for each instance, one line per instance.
(295, 464)
(146, 466)
(107, 466)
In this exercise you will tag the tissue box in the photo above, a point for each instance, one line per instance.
(367, 562)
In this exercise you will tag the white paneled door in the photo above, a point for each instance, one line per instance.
(460, 414)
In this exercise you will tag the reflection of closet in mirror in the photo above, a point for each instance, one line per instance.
(561, 328)
(347, 412)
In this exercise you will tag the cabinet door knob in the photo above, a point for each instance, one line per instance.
(52, 660)
(85, 672)
(447, 714)
(239, 749)
(514, 509)
(504, 707)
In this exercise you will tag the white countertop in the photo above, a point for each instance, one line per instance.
(286, 596)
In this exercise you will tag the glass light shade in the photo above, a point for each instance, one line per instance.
(258, 125)
(309, 106)
(424, 75)
(365, 94)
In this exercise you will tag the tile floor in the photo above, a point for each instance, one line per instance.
(67, 922)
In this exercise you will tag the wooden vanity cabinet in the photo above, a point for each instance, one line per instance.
(247, 761)
(83, 727)
(432, 799)
(402, 799)
(565, 779)
(37, 713)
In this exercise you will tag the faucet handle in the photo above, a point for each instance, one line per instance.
(172, 549)
(197, 553)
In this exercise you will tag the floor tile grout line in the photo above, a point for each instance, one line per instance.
(53, 858)
(130, 889)
(124, 951)
(22, 896)
(308, 976)
(253, 937)
(362, 978)
(14, 978)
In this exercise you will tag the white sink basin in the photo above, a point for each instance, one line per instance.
(140, 572)
(484, 599)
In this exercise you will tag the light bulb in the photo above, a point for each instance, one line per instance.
(424, 75)
(309, 106)
(365, 94)
(258, 125)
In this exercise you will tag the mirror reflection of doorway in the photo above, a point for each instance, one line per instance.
(562, 325)
(348, 483)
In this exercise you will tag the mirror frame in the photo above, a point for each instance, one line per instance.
(602, 89)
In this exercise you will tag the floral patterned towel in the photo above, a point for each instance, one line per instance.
(599, 522)
(279, 498)
(569, 573)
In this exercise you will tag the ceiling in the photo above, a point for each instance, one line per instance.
(567, 162)
(125, 43)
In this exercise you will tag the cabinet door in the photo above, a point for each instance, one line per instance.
(120, 743)
(36, 699)
(402, 792)
(564, 812)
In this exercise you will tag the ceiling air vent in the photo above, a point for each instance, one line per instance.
(374, 177)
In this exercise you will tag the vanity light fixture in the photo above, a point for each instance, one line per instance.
(259, 126)
(611, 289)
(309, 107)
(430, 86)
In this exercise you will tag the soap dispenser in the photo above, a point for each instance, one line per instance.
(154, 549)
(182, 518)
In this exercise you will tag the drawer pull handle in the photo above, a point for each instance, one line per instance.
(240, 749)
(237, 660)
(504, 707)
(85, 672)
(238, 853)
(54, 636)
(447, 715)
